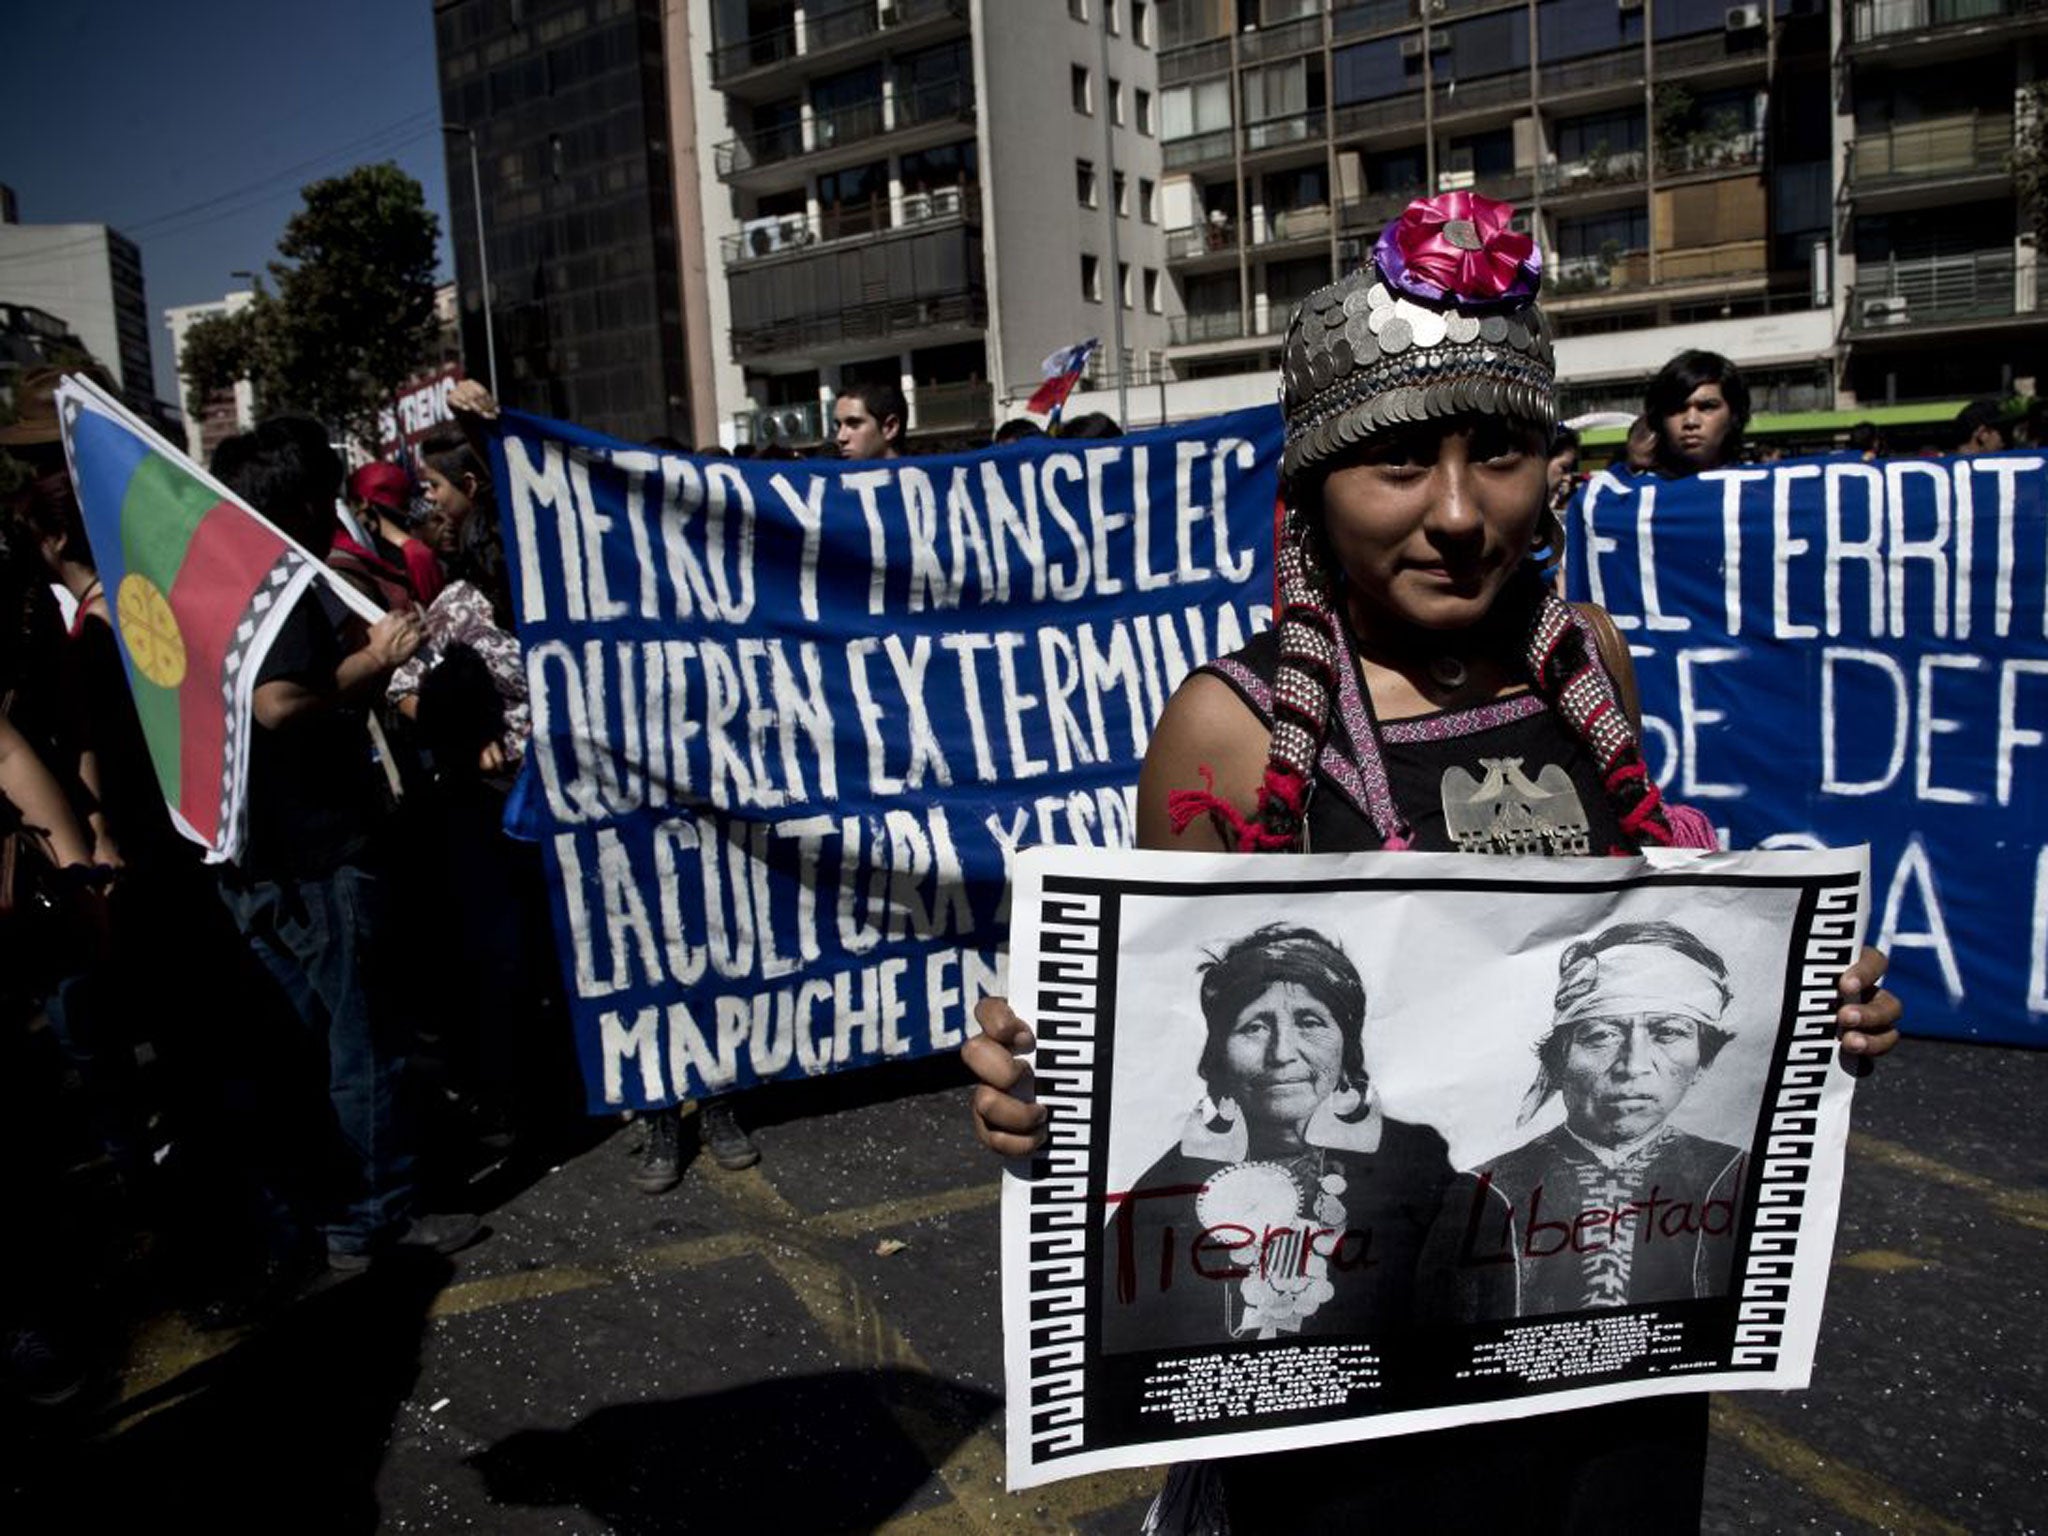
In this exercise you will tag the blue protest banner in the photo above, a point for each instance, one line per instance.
(791, 721)
(1834, 652)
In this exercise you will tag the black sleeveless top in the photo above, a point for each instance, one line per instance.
(1507, 776)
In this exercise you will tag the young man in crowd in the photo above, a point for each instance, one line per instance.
(869, 419)
(310, 892)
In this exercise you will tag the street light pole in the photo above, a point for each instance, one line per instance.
(483, 259)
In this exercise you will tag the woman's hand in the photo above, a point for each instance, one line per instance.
(1868, 1020)
(1004, 1121)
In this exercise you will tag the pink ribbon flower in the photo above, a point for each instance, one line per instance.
(1457, 247)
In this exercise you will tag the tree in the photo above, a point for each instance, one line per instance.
(219, 352)
(354, 310)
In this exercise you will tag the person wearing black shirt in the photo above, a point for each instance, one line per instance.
(310, 892)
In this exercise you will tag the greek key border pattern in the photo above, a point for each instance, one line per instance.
(1073, 944)
(1769, 1256)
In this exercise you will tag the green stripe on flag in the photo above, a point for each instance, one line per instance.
(157, 709)
(159, 515)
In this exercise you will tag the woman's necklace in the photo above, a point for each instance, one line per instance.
(1447, 672)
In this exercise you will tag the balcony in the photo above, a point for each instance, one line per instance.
(884, 321)
(1285, 132)
(1290, 37)
(1703, 154)
(1597, 172)
(1730, 260)
(1455, 98)
(937, 407)
(849, 129)
(1874, 20)
(836, 35)
(1202, 149)
(1197, 327)
(791, 234)
(1372, 212)
(1731, 53)
(1901, 297)
(1570, 276)
(1288, 226)
(1192, 63)
(1924, 162)
(1350, 21)
(1403, 112)
(1616, 75)
(1201, 242)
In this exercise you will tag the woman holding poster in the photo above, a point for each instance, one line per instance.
(1422, 689)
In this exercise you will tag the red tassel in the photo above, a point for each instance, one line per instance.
(1252, 835)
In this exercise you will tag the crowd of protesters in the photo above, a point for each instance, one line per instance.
(297, 1061)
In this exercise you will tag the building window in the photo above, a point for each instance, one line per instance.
(1122, 191)
(1109, 17)
(1123, 283)
(1148, 200)
(1084, 182)
(1116, 101)
(1084, 91)
(1152, 303)
(1078, 9)
(1091, 278)
(1141, 23)
(1144, 111)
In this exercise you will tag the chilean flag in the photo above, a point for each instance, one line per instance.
(1062, 371)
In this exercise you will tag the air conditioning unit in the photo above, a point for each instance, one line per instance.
(1626, 6)
(1520, 224)
(1439, 42)
(1745, 18)
(1411, 46)
(1888, 309)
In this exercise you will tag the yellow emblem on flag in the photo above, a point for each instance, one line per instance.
(150, 631)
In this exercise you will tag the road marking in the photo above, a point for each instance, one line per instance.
(1850, 1490)
(1883, 1261)
(521, 1285)
(970, 1465)
(2028, 1208)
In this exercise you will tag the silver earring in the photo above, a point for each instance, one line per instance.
(1215, 1132)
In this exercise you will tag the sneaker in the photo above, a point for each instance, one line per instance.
(722, 1135)
(41, 1371)
(448, 1232)
(660, 1166)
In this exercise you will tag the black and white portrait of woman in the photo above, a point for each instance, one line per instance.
(1291, 1203)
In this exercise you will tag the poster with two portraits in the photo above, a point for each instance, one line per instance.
(1348, 1146)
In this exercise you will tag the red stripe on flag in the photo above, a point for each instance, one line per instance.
(1052, 392)
(224, 566)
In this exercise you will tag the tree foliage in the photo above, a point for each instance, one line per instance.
(219, 352)
(352, 315)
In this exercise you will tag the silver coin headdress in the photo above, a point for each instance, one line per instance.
(1443, 322)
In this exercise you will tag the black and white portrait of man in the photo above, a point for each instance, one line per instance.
(1615, 1206)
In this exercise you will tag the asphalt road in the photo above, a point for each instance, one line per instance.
(752, 1352)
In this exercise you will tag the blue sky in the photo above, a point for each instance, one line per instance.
(191, 126)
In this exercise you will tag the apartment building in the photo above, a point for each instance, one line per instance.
(1940, 271)
(1821, 191)
(89, 278)
(569, 104)
(939, 193)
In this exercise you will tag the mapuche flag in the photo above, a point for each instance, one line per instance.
(198, 585)
(1062, 370)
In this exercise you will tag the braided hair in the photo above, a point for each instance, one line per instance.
(1443, 323)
